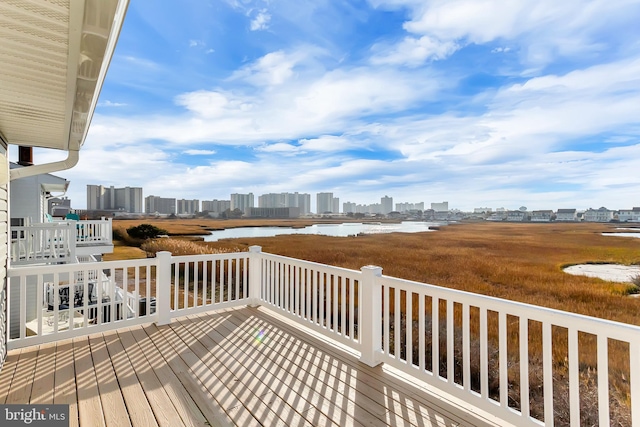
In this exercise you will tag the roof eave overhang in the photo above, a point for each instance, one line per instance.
(90, 46)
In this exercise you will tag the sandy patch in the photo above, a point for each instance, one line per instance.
(610, 272)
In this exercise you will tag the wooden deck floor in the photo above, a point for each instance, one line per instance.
(236, 367)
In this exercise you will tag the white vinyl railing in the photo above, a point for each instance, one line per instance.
(92, 232)
(56, 242)
(38, 243)
(319, 296)
(525, 364)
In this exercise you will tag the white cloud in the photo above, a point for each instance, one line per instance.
(260, 21)
(278, 147)
(199, 152)
(273, 69)
(501, 50)
(413, 51)
(328, 143)
(108, 103)
(543, 29)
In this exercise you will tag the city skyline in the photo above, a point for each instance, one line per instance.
(477, 102)
(110, 198)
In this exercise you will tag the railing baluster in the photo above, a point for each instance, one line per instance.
(409, 327)
(23, 305)
(397, 328)
(176, 266)
(136, 299)
(334, 313)
(484, 354)
(39, 302)
(195, 282)
(547, 361)
(343, 309)
(502, 349)
(321, 284)
(386, 292)
(314, 296)
(603, 380)
(352, 309)
(574, 384)
(435, 336)
(237, 296)
(450, 343)
(466, 348)
(309, 295)
(185, 285)
(524, 366)
(421, 332)
(229, 279)
(205, 279)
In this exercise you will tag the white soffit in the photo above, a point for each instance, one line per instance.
(54, 55)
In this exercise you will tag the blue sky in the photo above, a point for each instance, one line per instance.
(481, 103)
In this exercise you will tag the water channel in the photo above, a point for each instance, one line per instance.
(337, 230)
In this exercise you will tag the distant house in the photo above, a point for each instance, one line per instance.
(598, 215)
(566, 215)
(498, 216)
(541, 216)
(517, 216)
(629, 215)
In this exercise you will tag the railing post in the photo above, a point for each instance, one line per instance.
(163, 288)
(108, 235)
(370, 325)
(255, 279)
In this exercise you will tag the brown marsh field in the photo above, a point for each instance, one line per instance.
(520, 262)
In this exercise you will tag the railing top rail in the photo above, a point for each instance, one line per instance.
(208, 257)
(69, 268)
(310, 263)
(56, 224)
(534, 312)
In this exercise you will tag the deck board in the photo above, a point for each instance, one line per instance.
(65, 380)
(179, 397)
(114, 408)
(232, 367)
(135, 398)
(249, 382)
(89, 405)
(6, 374)
(42, 391)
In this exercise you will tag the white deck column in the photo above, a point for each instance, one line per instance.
(255, 279)
(370, 328)
(163, 288)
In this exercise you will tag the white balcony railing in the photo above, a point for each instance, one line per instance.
(48, 242)
(526, 364)
(56, 242)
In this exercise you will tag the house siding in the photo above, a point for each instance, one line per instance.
(4, 249)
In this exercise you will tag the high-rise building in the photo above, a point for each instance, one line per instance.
(216, 206)
(188, 207)
(406, 207)
(241, 201)
(160, 205)
(286, 200)
(440, 207)
(349, 207)
(128, 199)
(325, 203)
(335, 205)
(387, 204)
